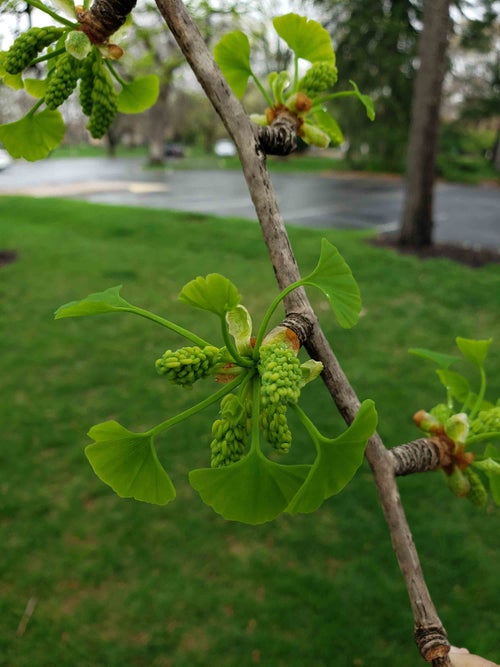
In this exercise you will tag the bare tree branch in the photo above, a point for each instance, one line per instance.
(422, 455)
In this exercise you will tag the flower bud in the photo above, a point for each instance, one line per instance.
(259, 119)
(477, 494)
(458, 483)
(114, 52)
(313, 135)
(78, 44)
(299, 103)
(426, 422)
(457, 428)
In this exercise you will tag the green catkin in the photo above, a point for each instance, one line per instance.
(230, 432)
(281, 381)
(487, 421)
(477, 494)
(104, 104)
(188, 364)
(275, 427)
(87, 81)
(28, 45)
(62, 81)
(318, 78)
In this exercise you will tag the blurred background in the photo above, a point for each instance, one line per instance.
(376, 45)
(88, 579)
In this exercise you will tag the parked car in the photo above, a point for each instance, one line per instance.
(224, 148)
(5, 159)
(174, 150)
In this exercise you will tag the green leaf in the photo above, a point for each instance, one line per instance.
(492, 452)
(128, 463)
(490, 465)
(483, 405)
(100, 302)
(253, 490)
(314, 136)
(494, 479)
(214, 293)
(66, 6)
(365, 100)
(334, 278)
(442, 360)
(329, 125)
(77, 44)
(311, 369)
(455, 384)
(14, 81)
(474, 350)
(278, 82)
(34, 136)
(239, 325)
(232, 54)
(35, 87)
(139, 94)
(307, 38)
(336, 463)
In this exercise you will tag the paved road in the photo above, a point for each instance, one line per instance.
(464, 214)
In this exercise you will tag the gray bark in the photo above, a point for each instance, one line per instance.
(157, 127)
(417, 222)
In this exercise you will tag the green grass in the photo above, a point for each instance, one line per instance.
(119, 583)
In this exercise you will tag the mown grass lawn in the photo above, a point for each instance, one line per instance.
(117, 583)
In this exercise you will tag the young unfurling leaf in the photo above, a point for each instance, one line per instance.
(307, 38)
(214, 293)
(232, 54)
(107, 301)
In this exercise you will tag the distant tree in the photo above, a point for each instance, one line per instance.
(375, 42)
(479, 82)
(155, 50)
(417, 219)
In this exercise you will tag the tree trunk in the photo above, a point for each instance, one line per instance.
(157, 125)
(496, 152)
(417, 221)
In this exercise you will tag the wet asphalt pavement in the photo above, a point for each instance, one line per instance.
(463, 214)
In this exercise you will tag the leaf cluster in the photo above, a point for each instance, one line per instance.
(42, 129)
(301, 98)
(252, 488)
(465, 420)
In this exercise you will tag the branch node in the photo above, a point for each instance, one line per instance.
(280, 138)
(422, 455)
(300, 325)
(432, 642)
(104, 18)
